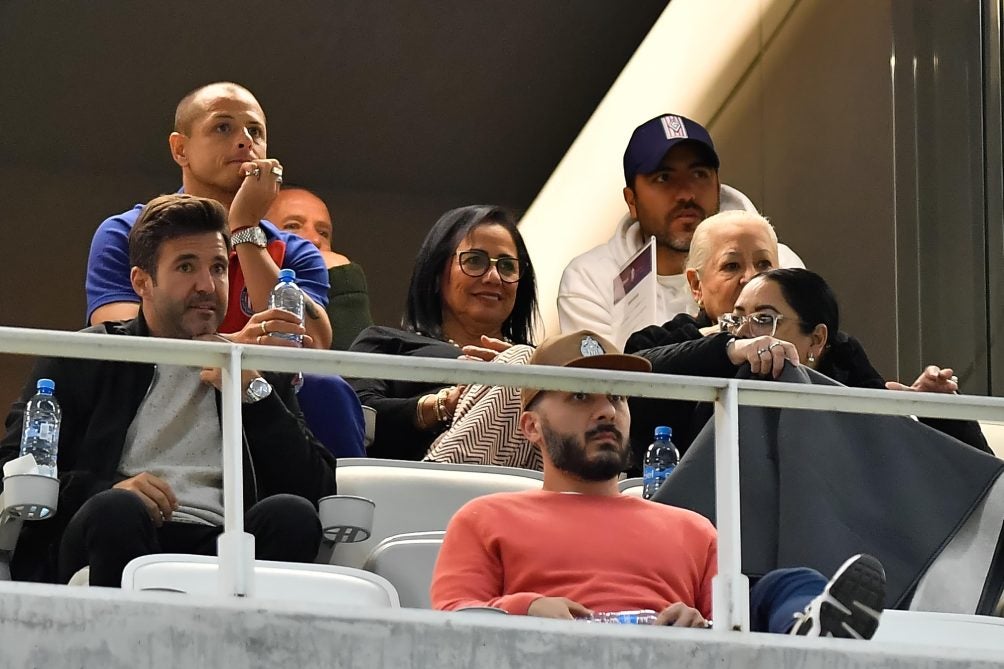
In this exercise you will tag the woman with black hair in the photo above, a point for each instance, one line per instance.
(473, 293)
(799, 307)
(781, 316)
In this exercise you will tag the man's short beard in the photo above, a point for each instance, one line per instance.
(678, 243)
(568, 453)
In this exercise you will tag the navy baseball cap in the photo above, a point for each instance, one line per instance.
(652, 139)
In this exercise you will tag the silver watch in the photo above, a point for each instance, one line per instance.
(253, 235)
(258, 390)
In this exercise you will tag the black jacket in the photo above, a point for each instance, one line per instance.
(100, 398)
(396, 402)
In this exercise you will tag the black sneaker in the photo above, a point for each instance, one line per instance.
(850, 605)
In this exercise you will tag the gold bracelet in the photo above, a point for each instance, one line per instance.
(419, 417)
(441, 414)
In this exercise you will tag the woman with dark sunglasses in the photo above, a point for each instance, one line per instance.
(472, 294)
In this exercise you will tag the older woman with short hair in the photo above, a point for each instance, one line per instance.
(472, 293)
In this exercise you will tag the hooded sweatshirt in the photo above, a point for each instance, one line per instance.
(586, 291)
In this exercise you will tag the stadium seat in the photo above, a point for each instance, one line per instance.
(417, 496)
(198, 574)
(407, 561)
(993, 431)
(632, 486)
(941, 629)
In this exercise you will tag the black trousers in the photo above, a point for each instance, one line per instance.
(113, 527)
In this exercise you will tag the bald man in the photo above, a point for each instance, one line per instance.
(300, 212)
(220, 144)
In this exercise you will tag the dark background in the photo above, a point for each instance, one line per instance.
(392, 111)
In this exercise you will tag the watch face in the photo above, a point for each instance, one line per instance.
(259, 388)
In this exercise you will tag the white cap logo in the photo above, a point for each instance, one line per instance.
(673, 127)
(590, 347)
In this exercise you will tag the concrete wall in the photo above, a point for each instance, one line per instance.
(808, 136)
(55, 627)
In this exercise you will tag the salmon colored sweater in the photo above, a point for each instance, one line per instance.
(606, 553)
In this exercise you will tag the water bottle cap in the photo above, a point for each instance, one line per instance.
(45, 385)
(286, 275)
(663, 431)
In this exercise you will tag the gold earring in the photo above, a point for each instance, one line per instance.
(700, 304)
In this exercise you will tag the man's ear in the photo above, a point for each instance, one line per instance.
(179, 148)
(529, 424)
(695, 283)
(142, 282)
(629, 199)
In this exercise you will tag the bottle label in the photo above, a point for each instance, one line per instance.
(639, 617)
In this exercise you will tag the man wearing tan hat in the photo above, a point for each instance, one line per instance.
(577, 547)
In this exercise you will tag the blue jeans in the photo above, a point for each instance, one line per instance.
(777, 596)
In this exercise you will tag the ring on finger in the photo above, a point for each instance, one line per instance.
(258, 339)
(761, 351)
(255, 172)
(771, 347)
(264, 331)
(276, 170)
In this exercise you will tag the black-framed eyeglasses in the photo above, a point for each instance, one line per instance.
(476, 263)
(760, 324)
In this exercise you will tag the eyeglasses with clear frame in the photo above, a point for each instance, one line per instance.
(761, 324)
(475, 263)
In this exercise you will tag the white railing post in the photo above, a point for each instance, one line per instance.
(730, 588)
(234, 546)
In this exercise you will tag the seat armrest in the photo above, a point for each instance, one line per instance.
(369, 425)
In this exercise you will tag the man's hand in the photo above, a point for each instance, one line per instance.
(680, 615)
(933, 379)
(214, 377)
(765, 355)
(557, 607)
(265, 322)
(257, 192)
(155, 493)
(489, 349)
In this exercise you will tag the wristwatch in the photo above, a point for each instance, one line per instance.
(250, 235)
(257, 390)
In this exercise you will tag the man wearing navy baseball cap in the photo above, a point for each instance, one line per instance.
(671, 185)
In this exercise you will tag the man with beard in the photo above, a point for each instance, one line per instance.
(672, 184)
(140, 465)
(578, 546)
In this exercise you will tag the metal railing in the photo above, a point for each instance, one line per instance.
(730, 587)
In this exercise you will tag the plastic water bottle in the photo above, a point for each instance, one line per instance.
(287, 296)
(639, 617)
(660, 460)
(40, 436)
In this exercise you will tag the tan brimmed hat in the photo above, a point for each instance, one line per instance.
(582, 349)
